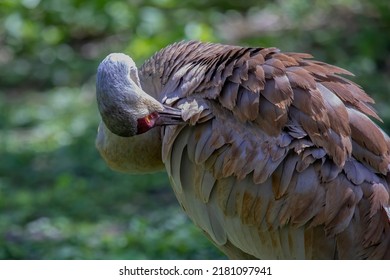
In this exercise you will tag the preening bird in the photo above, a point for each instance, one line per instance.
(273, 155)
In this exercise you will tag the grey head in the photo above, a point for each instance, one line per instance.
(125, 108)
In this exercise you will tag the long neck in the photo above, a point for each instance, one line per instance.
(138, 154)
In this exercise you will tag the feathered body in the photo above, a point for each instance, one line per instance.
(279, 158)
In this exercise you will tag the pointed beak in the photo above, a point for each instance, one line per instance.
(169, 116)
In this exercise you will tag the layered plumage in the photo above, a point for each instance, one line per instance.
(279, 157)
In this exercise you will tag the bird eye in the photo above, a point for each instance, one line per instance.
(146, 123)
(149, 119)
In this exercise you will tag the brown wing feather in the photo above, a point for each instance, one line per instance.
(280, 159)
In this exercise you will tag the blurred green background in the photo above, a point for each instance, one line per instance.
(58, 199)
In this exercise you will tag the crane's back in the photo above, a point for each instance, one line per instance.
(280, 159)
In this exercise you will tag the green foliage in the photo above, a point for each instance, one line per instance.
(57, 197)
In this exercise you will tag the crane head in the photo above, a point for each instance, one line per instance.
(125, 108)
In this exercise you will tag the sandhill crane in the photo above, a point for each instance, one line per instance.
(273, 155)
